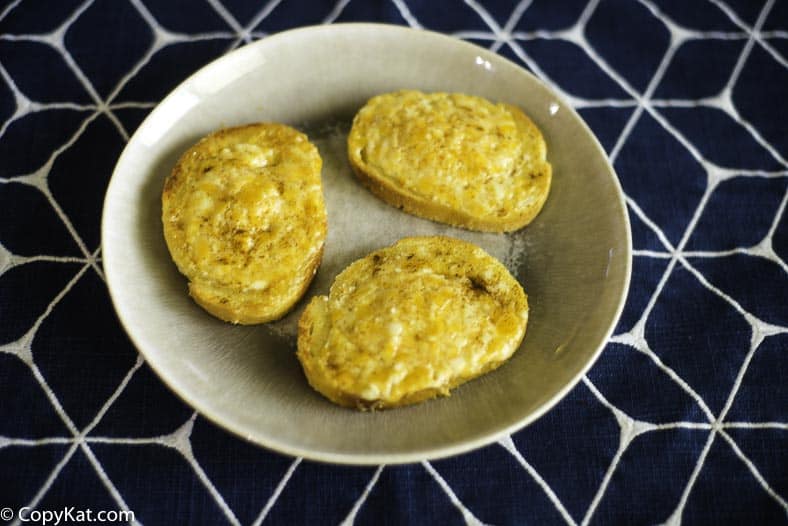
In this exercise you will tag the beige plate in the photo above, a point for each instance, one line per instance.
(573, 260)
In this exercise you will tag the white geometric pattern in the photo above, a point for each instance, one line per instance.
(498, 36)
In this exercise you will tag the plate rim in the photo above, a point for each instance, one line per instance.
(363, 459)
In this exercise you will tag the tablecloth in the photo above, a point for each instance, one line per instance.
(682, 420)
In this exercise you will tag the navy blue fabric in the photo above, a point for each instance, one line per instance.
(684, 417)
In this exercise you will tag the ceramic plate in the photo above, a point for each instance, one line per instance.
(573, 260)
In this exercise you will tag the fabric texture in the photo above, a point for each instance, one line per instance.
(682, 420)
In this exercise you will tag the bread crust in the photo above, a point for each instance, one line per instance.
(244, 220)
(410, 322)
(452, 158)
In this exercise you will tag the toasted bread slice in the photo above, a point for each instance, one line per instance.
(452, 158)
(245, 220)
(409, 322)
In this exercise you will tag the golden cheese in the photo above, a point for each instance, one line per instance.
(411, 321)
(245, 221)
(453, 158)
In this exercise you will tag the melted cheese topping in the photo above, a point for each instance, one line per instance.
(459, 151)
(243, 212)
(419, 316)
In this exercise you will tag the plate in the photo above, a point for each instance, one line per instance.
(573, 260)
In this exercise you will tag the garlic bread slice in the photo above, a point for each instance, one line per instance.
(245, 221)
(410, 322)
(453, 158)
